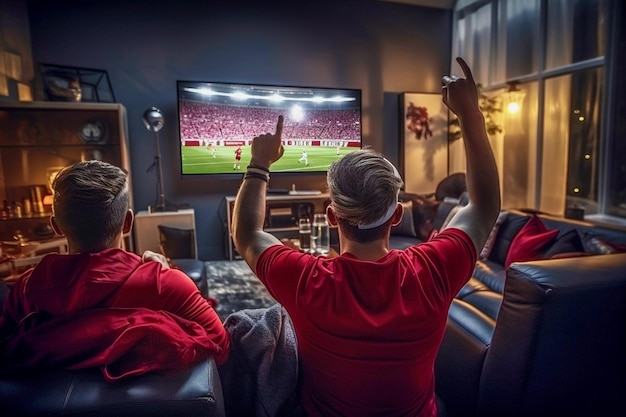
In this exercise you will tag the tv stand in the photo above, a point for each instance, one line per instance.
(281, 215)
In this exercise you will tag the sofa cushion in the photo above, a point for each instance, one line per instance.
(566, 244)
(450, 215)
(423, 210)
(491, 239)
(473, 321)
(471, 286)
(511, 226)
(529, 241)
(488, 302)
(443, 211)
(490, 273)
(598, 246)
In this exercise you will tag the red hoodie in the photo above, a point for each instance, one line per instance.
(107, 309)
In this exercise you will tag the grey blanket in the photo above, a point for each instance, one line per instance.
(260, 377)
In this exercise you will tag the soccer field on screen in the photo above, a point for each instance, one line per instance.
(200, 159)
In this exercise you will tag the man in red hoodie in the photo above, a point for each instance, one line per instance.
(99, 305)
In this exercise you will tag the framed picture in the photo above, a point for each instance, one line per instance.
(423, 148)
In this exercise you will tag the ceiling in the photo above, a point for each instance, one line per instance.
(440, 4)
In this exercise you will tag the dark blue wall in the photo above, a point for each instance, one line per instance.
(382, 48)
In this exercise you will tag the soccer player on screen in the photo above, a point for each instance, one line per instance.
(237, 164)
(304, 158)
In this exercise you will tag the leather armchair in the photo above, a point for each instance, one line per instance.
(556, 346)
(195, 391)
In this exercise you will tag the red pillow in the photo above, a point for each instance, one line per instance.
(529, 241)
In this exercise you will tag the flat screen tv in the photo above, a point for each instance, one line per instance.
(217, 120)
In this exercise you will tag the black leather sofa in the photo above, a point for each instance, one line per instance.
(195, 391)
(540, 338)
(556, 346)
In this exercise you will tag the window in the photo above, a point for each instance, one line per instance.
(575, 30)
(584, 139)
(564, 149)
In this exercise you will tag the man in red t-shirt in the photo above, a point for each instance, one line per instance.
(369, 322)
(99, 305)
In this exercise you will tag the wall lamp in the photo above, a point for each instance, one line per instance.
(513, 98)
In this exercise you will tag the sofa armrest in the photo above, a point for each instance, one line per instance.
(195, 390)
(559, 342)
(461, 357)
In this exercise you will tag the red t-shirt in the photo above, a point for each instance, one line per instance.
(369, 332)
(107, 283)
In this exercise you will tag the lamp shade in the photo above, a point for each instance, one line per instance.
(513, 99)
(153, 119)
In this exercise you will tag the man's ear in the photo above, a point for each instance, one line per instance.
(330, 214)
(397, 215)
(128, 221)
(55, 226)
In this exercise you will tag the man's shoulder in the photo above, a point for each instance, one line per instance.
(173, 278)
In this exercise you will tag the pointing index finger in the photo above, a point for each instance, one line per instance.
(466, 69)
(279, 126)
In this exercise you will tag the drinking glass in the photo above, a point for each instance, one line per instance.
(304, 229)
(320, 235)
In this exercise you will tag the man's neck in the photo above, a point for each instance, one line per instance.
(370, 251)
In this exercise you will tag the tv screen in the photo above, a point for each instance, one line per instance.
(217, 121)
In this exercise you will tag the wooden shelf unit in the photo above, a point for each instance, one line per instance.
(37, 139)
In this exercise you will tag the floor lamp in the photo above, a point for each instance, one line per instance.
(153, 119)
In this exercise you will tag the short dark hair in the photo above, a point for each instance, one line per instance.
(90, 203)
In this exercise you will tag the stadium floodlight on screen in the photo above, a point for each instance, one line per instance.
(217, 122)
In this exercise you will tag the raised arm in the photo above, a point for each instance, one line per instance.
(479, 216)
(249, 211)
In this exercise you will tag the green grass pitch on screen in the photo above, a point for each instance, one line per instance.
(200, 160)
